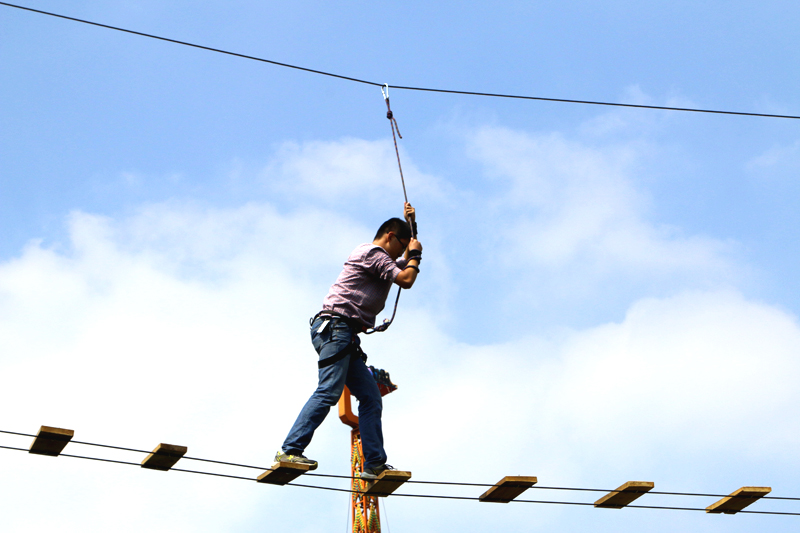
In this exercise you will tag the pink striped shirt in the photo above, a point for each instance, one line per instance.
(361, 289)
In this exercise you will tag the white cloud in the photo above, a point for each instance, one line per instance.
(627, 122)
(566, 205)
(682, 386)
(131, 345)
(778, 160)
(349, 173)
(694, 370)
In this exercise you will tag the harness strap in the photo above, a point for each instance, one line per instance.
(351, 348)
(336, 358)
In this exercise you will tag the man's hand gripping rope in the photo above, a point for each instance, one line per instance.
(413, 252)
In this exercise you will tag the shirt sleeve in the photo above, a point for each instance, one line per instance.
(378, 262)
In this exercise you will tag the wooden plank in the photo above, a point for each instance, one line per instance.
(51, 441)
(625, 494)
(283, 472)
(388, 482)
(738, 500)
(164, 456)
(508, 488)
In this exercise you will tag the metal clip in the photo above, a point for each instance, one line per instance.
(381, 327)
(385, 91)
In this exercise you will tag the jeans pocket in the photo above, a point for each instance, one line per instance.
(332, 340)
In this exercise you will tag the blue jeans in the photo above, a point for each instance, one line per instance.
(350, 371)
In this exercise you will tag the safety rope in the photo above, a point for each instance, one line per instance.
(395, 128)
(395, 133)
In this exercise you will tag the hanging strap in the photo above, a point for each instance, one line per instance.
(395, 130)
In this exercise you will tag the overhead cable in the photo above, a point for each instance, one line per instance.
(403, 87)
(193, 45)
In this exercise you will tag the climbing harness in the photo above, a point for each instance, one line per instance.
(330, 318)
(395, 133)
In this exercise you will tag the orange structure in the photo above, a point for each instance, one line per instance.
(365, 515)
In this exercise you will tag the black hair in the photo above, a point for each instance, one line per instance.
(399, 226)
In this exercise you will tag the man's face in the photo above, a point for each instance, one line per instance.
(397, 245)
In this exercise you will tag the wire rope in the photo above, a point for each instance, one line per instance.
(337, 476)
(193, 45)
(434, 496)
(403, 87)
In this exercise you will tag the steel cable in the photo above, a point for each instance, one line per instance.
(444, 483)
(403, 87)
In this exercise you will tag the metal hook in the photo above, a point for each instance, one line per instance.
(385, 91)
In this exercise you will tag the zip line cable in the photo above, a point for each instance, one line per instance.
(408, 88)
(447, 483)
(184, 43)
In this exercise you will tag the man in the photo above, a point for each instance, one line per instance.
(350, 308)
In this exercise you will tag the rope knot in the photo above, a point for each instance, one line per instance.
(389, 115)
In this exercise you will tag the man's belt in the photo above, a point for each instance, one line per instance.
(356, 325)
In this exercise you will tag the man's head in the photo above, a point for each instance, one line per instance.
(398, 226)
(396, 234)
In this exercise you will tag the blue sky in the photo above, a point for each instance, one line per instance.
(607, 294)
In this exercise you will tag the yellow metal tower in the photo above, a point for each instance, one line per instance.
(365, 515)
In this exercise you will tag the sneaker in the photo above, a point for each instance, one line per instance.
(371, 474)
(281, 457)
